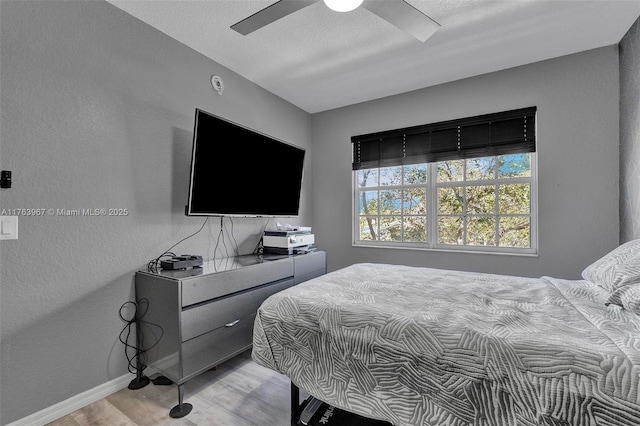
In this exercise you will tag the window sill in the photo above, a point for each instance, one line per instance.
(449, 249)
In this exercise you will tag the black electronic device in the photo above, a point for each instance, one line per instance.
(5, 179)
(181, 262)
(237, 171)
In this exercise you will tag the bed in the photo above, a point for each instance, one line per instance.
(423, 346)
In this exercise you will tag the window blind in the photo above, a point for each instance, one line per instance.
(502, 133)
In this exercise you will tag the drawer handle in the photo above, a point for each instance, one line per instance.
(232, 323)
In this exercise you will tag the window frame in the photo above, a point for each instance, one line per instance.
(431, 227)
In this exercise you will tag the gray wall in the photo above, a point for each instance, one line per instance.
(577, 98)
(630, 134)
(97, 112)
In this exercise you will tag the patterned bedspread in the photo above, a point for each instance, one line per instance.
(420, 346)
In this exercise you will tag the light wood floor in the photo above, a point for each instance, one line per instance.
(238, 393)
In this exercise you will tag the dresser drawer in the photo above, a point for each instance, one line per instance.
(201, 289)
(309, 265)
(307, 277)
(201, 319)
(210, 349)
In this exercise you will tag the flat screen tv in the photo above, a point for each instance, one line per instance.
(237, 171)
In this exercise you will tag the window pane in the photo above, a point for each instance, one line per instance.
(390, 201)
(481, 168)
(450, 230)
(451, 171)
(450, 200)
(515, 165)
(473, 208)
(367, 177)
(415, 174)
(415, 228)
(515, 198)
(390, 228)
(481, 231)
(368, 202)
(481, 199)
(415, 201)
(515, 231)
(368, 228)
(391, 175)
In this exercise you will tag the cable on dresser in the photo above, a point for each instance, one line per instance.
(220, 235)
(221, 238)
(259, 247)
(236, 249)
(154, 264)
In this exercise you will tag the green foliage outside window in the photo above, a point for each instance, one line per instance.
(477, 202)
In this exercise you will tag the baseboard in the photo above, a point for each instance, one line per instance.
(74, 403)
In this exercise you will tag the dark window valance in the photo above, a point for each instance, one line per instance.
(508, 132)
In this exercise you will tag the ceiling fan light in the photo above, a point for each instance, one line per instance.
(343, 5)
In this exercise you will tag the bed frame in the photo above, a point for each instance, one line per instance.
(298, 407)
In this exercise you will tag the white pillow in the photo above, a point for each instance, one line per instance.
(628, 297)
(618, 268)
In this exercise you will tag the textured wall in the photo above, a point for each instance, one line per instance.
(578, 132)
(630, 134)
(97, 112)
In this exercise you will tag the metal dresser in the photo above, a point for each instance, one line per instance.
(189, 321)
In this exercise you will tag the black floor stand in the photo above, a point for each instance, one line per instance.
(139, 382)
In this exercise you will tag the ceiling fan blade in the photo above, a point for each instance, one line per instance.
(270, 14)
(404, 16)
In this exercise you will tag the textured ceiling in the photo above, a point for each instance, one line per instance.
(318, 59)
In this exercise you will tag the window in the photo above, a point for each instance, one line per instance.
(482, 203)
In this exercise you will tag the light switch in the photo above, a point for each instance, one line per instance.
(8, 227)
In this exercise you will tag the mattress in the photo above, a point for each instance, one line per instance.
(421, 346)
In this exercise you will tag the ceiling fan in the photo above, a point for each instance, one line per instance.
(397, 12)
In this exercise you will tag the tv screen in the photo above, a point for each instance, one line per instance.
(236, 171)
